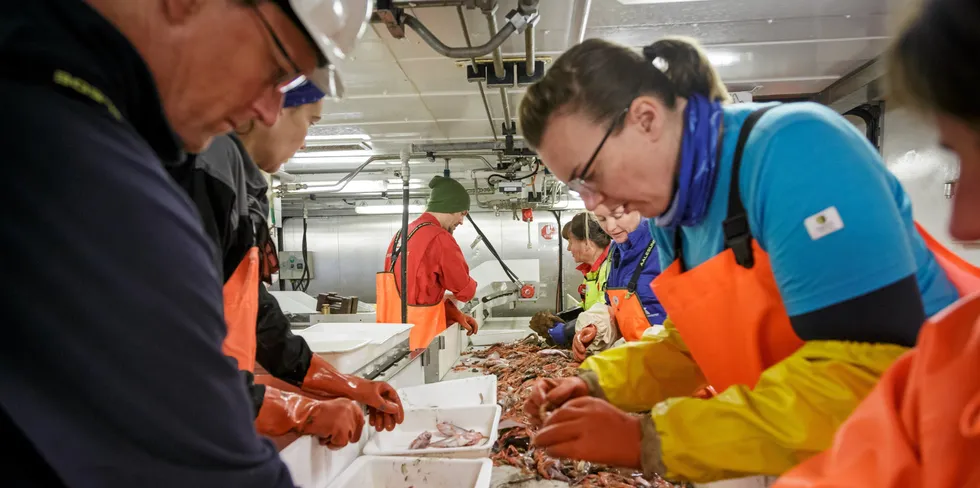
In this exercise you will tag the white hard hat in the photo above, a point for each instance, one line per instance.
(335, 26)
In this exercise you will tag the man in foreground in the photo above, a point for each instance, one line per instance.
(111, 372)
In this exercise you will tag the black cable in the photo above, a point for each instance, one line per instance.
(304, 279)
(510, 274)
(560, 303)
(537, 168)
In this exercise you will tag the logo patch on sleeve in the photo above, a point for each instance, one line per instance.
(823, 223)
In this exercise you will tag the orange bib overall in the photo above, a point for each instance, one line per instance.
(241, 295)
(427, 321)
(625, 305)
(728, 310)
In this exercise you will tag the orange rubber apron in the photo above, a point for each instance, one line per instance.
(728, 310)
(241, 296)
(625, 305)
(920, 426)
(427, 321)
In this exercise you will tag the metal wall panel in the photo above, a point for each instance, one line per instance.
(350, 250)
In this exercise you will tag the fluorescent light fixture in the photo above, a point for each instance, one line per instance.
(645, 2)
(723, 58)
(332, 154)
(571, 205)
(330, 160)
(398, 181)
(388, 209)
(339, 137)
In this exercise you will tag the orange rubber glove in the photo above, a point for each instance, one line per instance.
(384, 407)
(336, 422)
(548, 394)
(582, 340)
(590, 429)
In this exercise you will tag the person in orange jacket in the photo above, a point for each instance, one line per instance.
(921, 425)
(435, 265)
(228, 186)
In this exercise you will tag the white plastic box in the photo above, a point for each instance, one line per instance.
(482, 418)
(381, 339)
(480, 390)
(405, 472)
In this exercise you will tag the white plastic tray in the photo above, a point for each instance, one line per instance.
(314, 466)
(482, 418)
(406, 472)
(481, 390)
(382, 338)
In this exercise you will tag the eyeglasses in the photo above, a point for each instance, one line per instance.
(283, 79)
(580, 184)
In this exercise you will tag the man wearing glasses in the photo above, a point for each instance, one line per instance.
(112, 372)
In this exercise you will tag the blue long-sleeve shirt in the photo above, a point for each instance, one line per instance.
(625, 258)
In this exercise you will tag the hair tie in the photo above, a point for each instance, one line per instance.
(661, 64)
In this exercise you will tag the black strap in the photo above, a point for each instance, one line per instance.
(738, 236)
(634, 280)
(396, 249)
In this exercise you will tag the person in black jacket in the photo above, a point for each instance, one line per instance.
(228, 186)
(111, 370)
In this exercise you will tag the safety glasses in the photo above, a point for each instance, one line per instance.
(283, 79)
(580, 183)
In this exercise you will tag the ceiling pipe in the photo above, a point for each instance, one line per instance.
(340, 185)
(580, 18)
(461, 52)
(498, 67)
(483, 92)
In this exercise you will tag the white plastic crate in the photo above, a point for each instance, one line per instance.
(407, 472)
(482, 418)
(481, 390)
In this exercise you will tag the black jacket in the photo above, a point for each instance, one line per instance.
(229, 191)
(111, 372)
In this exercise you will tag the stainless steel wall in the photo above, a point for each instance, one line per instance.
(350, 250)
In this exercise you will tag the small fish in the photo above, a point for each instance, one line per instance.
(422, 441)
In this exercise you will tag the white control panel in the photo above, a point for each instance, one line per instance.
(291, 265)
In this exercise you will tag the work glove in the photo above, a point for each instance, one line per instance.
(335, 423)
(542, 322)
(583, 339)
(548, 394)
(384, 407)
(590, 429)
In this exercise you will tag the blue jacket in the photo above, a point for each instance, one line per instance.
(625, 258)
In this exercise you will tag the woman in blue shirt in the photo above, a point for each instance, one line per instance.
(793, 271)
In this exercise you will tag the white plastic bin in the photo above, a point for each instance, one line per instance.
(481, 390)
(483, 419)
(407, 472)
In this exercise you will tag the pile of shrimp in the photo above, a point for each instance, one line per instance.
(516, 366)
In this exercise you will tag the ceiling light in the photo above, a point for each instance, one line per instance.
(645, 2)
(388, 209)
(721, 58)
(329, 160)
(330, 154)
(339, 137)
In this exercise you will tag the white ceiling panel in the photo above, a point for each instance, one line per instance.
(612, 13)
(361, 110)
(401, 91)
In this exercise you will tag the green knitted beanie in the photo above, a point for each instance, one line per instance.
(448, 196)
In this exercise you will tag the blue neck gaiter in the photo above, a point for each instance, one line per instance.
(698, 166)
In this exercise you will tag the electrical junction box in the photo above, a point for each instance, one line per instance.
(510, 187)
(291, 265)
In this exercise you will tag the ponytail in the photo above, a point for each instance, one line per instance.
(600, 79)
(687, 67)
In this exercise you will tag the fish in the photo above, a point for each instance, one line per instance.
(422, 441)
(450, 436)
